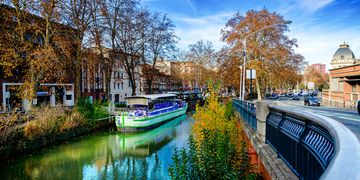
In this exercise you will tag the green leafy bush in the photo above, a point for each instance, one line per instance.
(120, 105)
(229, 110)
(215, 158)
(90, 110)
(216, 151)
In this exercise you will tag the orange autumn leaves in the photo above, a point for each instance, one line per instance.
(213, 117)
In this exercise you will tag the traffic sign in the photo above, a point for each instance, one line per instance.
(251, 74)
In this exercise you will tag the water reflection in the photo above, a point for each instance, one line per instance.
(144, 155)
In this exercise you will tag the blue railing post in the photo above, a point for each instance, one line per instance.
(247, 111)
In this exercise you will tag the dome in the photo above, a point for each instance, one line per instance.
(344, 52)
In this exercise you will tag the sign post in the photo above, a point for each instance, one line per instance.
(311, 85)
(251, 74)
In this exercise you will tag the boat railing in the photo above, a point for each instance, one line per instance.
(116, 110)
(163, 110)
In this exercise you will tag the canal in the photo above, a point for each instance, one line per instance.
(107, 155)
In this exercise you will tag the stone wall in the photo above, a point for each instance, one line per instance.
(268, 158)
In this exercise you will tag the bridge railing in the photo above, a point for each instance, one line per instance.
(313, 146)
(247, 111)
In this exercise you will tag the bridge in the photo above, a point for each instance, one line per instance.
(298, 144)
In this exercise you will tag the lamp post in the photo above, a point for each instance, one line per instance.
(244, 53)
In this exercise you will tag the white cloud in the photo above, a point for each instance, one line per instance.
(191, 5)
(318, 44)
(302, 7)
(192, 29)
(313, 5)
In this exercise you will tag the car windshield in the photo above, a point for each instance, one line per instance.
(312, 99)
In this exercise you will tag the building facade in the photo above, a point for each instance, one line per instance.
(93, 77)
(50, 89)
(320, 67)
(164, 79)
(344, 87)
(188, 73)
(344, 82)
(343, 57)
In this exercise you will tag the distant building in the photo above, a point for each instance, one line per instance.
(164, 79)
(48, 91)
(93, 77)
(344, 82)
(319, 67)
(343, 57)
(188, 72)
(344, 87)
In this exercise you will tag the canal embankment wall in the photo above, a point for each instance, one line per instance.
(262, 156)
(18, 144)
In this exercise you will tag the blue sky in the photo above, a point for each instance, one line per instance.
(319, 25)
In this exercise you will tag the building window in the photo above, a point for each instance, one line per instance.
(68, 97)
(118, 85)
(129, 83)
(114, 86)
(335, 84)
(116, 97)
(122, 85)
(341, 85)
(342, 57)
(353, 88)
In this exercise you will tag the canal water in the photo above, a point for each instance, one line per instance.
(109, 155)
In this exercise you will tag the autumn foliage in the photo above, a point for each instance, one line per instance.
(319, 78)
(268, 50)
(216, 150)
(213, 117)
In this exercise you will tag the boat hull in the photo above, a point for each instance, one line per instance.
(133, 124)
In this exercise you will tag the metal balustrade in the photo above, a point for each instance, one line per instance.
(247, 111)
(313, 146)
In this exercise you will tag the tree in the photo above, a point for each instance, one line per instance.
(78, 14)
(203, 55)
(269, 50)
(34, 46)
(110, 12)
(159, 41)
(217, 148)
(311, 74)
(229, 64)
(129, 40)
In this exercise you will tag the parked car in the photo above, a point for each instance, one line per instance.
(358, 106)
(274, 96)
(296, 97)
(311, 101)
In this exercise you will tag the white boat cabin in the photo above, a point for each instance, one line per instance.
(153, 104)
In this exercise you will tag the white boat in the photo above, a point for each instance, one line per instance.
(149, 111)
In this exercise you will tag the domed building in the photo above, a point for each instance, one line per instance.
(343, 57)
(344, 81)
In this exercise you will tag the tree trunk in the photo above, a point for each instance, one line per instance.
(259, 94)
(107, 82)
(78, 67)
(149, 83)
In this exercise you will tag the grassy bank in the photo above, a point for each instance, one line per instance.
(45, 126)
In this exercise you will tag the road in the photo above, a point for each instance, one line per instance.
(348, 117)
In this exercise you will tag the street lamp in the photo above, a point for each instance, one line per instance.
(242, 95)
